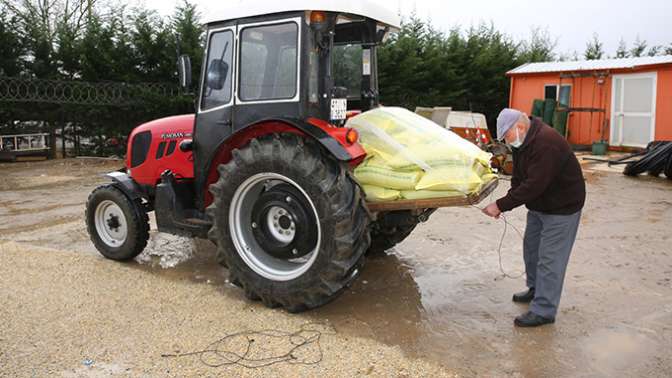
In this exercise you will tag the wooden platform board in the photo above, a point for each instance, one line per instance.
(433, 203)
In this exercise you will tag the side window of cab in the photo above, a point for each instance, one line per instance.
(269, 62)
(218, 71)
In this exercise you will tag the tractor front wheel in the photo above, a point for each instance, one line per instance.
(289, 221)
(118, 226)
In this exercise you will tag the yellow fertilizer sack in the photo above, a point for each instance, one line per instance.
(386, 178)
(450, 178)
(433, 156)
(407, 152)
(426, 194)
(376, 193)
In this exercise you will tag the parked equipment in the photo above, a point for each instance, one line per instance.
(264, 167)
(474, 128)
(20, 145)
(656, 159)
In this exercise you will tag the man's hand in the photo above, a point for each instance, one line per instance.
(492, 210)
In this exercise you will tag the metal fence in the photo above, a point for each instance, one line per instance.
(80, 92)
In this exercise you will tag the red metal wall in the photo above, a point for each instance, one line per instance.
(664, 104)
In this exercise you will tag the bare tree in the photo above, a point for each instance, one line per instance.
(46, 15)
(540, 47)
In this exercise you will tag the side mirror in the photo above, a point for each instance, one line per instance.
(184, 71)
(382, 34)
(217, 73)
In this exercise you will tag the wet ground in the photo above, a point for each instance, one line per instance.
(438, 301)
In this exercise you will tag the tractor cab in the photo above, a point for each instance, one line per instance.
(274, 64)
(271, 54)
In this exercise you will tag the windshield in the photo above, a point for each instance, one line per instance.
(348, 72)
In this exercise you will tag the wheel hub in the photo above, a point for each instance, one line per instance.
(274, 226)
(281, 225)
(113, 223)
(110, 223)
(286, 227)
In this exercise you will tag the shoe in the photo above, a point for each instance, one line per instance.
(530, 319)
(524, 296)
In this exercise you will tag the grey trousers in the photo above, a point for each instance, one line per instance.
(546, 248)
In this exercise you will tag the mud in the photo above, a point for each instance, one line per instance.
(439, 296)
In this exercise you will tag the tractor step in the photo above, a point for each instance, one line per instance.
(198, 221)
(174, 208)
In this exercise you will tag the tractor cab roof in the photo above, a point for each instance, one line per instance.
(363, 8)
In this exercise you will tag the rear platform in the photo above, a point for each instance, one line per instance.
(433, 203)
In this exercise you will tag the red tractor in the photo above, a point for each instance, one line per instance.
(263, 169)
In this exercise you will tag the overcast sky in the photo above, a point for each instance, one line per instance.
(572, 22)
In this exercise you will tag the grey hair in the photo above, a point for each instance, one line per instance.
(523, 119)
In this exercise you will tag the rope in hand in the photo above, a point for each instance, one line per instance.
(248, 349)
(501, 240)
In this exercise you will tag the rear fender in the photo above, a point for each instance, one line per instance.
(330, 137)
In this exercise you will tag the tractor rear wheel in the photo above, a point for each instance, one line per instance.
(289, 222)
(118, 226)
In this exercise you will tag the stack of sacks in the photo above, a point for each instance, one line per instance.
(410, 157)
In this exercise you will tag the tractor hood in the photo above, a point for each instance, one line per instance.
(153, 147)
(176, 124)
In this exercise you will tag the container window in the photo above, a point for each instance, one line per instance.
(551, 92)
(565, 95)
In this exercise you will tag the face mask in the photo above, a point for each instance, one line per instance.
(516, 143)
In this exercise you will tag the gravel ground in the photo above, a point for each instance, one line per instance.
(436, 306)
(76, 315)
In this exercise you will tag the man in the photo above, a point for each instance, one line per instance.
(547, 179)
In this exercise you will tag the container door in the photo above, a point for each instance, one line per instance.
(633, 110)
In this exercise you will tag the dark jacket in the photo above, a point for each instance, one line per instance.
(547, 176)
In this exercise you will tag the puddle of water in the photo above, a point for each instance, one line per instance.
(612, 350)
(424, 305)
(384, 303)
